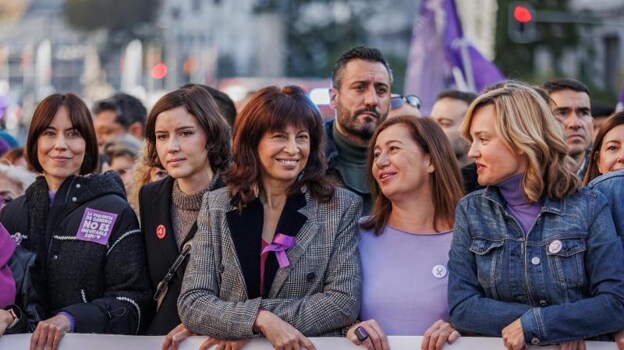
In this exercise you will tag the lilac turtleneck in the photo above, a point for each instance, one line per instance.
(517, 204)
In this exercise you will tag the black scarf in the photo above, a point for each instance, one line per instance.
(38, 241)
(38, 209)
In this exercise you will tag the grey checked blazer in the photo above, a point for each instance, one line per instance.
(319, 293)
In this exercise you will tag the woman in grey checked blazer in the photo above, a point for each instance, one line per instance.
(276, 251)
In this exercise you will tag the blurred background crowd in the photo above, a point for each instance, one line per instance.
(147, 47)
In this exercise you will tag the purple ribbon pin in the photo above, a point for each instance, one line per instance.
(281, 243)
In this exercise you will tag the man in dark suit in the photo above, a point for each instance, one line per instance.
(572, 106)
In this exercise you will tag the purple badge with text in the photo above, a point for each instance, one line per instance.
(96, 226)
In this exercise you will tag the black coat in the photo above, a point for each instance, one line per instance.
(105, 287)
(29, 299)
(155, 211)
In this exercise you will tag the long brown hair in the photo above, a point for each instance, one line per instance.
(611, 122)
(273, 109)
(445, 181)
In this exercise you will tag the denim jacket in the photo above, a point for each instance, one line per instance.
(611, 185)
(564, 279)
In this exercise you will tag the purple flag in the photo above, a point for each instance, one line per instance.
(441, 57)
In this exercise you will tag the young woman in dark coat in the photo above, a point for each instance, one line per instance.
(81, 228)
(187, 136)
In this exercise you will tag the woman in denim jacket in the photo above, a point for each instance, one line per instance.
(534, 259)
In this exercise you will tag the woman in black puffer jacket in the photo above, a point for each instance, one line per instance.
(89, 251)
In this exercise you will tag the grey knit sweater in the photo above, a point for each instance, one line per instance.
(184, 211)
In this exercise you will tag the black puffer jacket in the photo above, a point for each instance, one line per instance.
(29, 301)
(105, 287)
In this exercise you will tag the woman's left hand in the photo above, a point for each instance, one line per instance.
(281, 334)
(573, 345)
(513, 336)
(440, 333)
(49, 332)
(224, 344)
(375, 338)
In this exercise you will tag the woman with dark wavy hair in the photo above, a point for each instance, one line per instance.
(276, 251)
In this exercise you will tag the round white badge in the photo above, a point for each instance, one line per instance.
(555, 247)
(439, 271)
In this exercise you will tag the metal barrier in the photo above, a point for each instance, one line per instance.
(121, 342)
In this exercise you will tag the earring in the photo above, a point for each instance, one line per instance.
(304, 188)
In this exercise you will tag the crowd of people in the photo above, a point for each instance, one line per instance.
(498, 215)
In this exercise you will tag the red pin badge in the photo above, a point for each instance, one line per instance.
(161, 231)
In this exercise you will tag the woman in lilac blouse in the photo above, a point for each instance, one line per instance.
(404, 243)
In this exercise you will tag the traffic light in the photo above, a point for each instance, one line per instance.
(521, 26)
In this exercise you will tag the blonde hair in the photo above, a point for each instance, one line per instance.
(525, 123)
(140, 177)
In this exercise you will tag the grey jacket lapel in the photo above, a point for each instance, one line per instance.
(304, 237)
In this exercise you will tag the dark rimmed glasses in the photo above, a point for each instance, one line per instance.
(398, 101)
